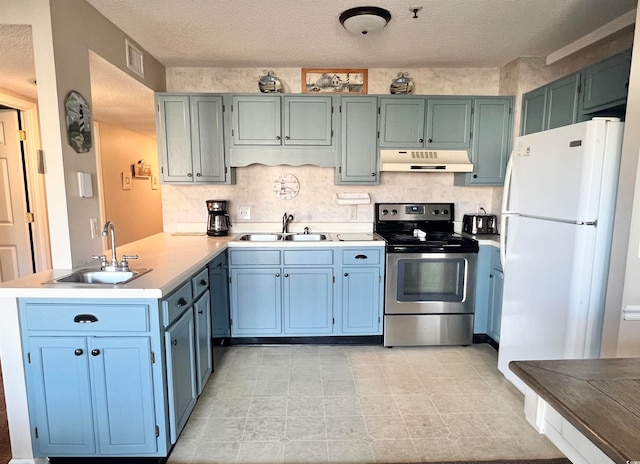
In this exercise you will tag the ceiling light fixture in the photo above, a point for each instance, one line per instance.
(364, 19)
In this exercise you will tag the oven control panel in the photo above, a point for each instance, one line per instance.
(414, 212)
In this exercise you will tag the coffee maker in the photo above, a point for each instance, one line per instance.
(219, 220)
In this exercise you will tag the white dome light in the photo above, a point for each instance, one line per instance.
(364, 19)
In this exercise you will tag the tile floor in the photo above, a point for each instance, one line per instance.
(358, 404)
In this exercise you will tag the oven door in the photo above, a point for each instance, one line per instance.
(430, 283)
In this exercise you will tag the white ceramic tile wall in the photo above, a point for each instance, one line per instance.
(316, 201)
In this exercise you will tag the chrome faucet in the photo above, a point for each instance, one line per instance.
(286, 219)
(114, 266)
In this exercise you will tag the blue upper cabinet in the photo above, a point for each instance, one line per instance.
(533, 110)
(276, 129)
(606, 84)
(490, 143)
(257, 120)
(448, 123)
(419, 122)
(562, 102)
(190, 131)
(599, 90)
(358, 154)
(308, 121)
(402, 122)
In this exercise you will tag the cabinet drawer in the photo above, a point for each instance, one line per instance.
(495, 258)
(86, 318)
(293, 257)
(255, 257)
(176, 303)
(200, 282)
(361, 256)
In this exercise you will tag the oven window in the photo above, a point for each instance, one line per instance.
(431, 279)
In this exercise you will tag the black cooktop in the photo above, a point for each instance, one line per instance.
(420, 228)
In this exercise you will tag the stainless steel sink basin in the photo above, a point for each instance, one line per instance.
(260, 237)
(306, 237)
(95, 277)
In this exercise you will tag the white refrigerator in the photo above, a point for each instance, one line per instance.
(557, 220)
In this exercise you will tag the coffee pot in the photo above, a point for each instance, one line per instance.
(219, 221)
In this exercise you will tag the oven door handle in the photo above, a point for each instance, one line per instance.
(362, 257)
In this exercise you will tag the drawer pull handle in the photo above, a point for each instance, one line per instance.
(219, 265)
(95, 352)
(78, 352)
(361, 257)
(85, 319)
(203, 282)
(175, 342)
(181, 302)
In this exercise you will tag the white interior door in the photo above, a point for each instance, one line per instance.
(15, 243)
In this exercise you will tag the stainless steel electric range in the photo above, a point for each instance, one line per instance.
(430, 275)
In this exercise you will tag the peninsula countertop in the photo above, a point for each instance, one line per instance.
(172, 257)
(599, 397)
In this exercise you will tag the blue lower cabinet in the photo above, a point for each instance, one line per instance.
(180, 348)
(361, 300)
(308, 301)
(91, 396)
(204, 359)
(219, 287)
(256, 302)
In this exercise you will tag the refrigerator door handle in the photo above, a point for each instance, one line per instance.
(505, 213)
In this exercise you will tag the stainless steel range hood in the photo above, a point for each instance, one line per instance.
(425, 161)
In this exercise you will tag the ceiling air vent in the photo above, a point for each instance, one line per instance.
(135, 58)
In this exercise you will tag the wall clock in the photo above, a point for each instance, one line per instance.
(78, 119)
(286, 186)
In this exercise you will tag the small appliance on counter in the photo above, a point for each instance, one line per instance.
(219, 221)
(480, 224)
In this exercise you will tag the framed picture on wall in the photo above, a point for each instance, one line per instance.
(78, 120)
(141, 170)
(334, 80)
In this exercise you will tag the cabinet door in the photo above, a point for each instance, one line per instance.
(204, 361)
(207, 138)
(307, 121)
(60, 396)
(481, 312)
(533, 111)
(607, 83)
(491, 141)
(256, 120)
(359, 155)
(402, 122)
(495, 303)
(256, 302)
(448, 123)
(361, 305)
(123, 395)
(219, 284)
(562, 102)
(173, 127)
(308, 301)
(181, 376)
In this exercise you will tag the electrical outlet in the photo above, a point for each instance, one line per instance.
(353, 212)
(482, 209)
(244, 212)
(95, 230)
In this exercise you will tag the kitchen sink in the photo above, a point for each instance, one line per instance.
(260, 237)
(96, 277)
(306, 237)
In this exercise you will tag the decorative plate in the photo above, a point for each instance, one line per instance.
(78, 115)
(286, 186)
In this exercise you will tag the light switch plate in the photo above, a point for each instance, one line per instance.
(244, 212)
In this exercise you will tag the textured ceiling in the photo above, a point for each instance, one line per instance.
(305, 33)
(302, 33)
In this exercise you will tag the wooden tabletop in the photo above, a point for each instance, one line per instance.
(599, 397)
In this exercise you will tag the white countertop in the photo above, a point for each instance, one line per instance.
(173, 258)
(493, 239)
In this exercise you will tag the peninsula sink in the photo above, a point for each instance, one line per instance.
(274, 237)
(97, 277)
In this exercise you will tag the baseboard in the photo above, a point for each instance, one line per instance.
(329, 340)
